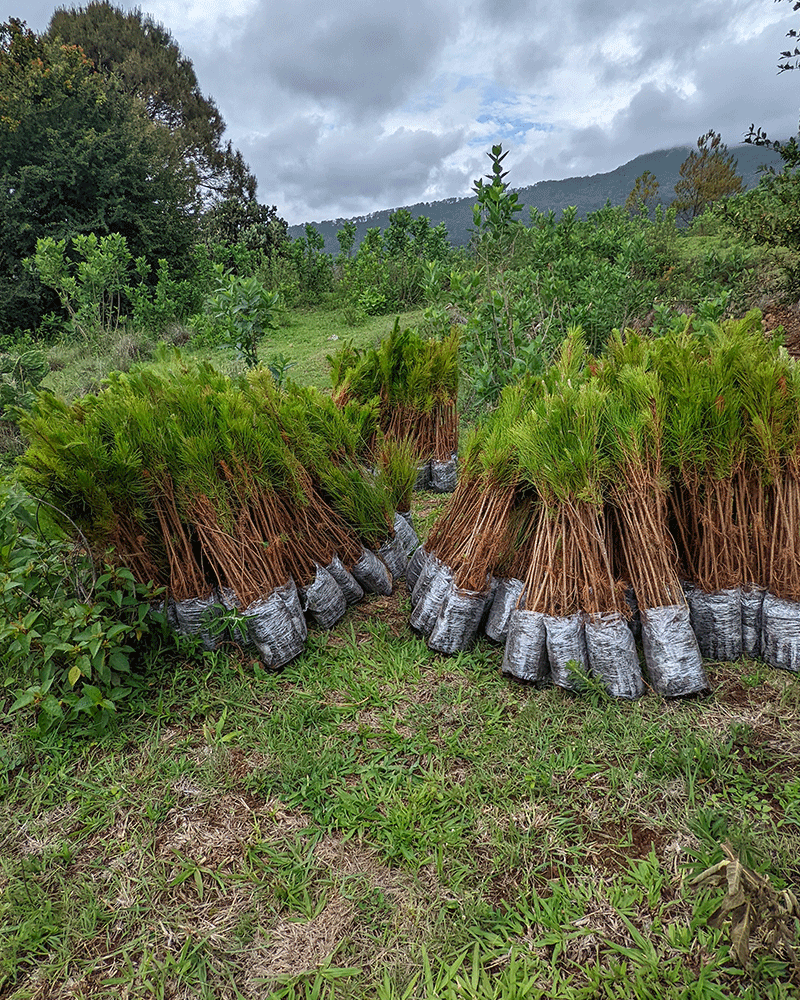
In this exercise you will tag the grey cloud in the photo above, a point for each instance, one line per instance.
(349, 171)
(658, 117)
(505, 12)
(309, 92)
(357, 56)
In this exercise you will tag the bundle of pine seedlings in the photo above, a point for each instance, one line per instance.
(329, 441)
(641, 544)
(771, 399)
(200, 487)
(415, 381)
(575, 610)
(512, 565)
(716, 488)
(453, 587)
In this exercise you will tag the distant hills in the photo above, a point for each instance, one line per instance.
(587, 194)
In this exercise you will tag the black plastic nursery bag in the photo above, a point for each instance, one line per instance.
(193, 616)
(430, 591)
(393, 554)
(780, 633)
(671, 652)
(566, 649)
(508, 596)
(459, 619)
(415, 567)
(323, 599)
(612, 655)
(352, 590)
(717, 621)
(276, 625)
(444, 475)
(405, 533)
(525, 655)
(372, 573)
(752, 608)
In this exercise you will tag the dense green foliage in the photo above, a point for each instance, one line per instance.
(586, 194)
(144, 59)
(78, 156)
(70, 637)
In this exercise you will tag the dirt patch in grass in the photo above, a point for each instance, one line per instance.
(789, 318)
(293, 947)
(615, 843)
(387, 610)
(215, 831)
(348, 858)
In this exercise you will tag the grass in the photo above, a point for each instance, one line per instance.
(378, 821)
(310, 335)
(304, 340)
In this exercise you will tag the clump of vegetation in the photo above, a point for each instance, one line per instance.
(202, 482)
(667, 461)
(415, 383)
(72, 634)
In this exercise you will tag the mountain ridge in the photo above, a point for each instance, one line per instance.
(587, 193)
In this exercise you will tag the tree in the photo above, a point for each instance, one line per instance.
(707, 175)
(244, 221)
(788, 151)
(643, 194)
(149, 64)
(347, 238)
(497, 206)
(791, 57)
(78, 155)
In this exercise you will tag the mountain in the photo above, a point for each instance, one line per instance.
(587, 194)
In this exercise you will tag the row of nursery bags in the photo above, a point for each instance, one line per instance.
(544, 649)
(276, 625)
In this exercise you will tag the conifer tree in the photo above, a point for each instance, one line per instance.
(644, 193)
(707, 175)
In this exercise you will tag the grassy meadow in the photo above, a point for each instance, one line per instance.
(375, 820)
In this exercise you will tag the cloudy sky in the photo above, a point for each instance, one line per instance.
(348, 107)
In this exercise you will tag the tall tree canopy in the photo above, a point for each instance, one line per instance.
(149, 64)
(79, 155)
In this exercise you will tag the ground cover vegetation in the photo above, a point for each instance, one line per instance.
(373, 819)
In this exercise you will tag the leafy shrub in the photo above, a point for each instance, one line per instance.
(313, 267)
(170, 300)
(67, 652)
(238, 313)
(391, 270)
(89, 287)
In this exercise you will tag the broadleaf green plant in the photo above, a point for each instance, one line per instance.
(67, 649)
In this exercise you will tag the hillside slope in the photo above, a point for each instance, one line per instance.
(587, 194)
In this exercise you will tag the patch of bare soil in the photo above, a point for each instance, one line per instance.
(216, 831)
(789, 318)
(388, 610)
(615, 843)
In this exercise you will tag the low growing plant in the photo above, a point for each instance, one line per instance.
(20, 375)
(68, 639)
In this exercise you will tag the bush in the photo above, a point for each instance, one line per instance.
(238, 313)
(20, 375)
(67, 649)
